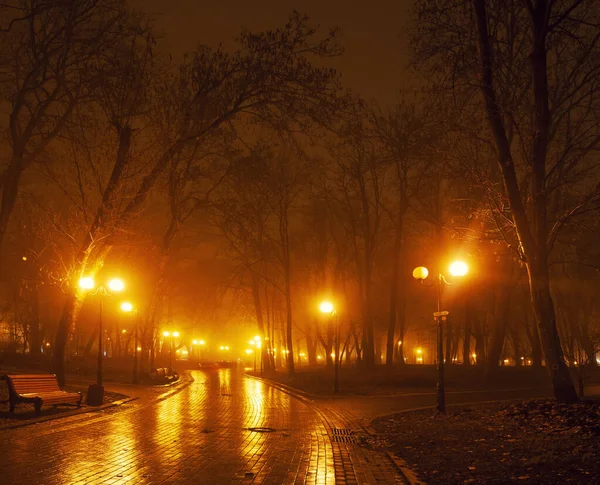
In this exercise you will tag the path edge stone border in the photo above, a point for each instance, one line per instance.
(67, 414)
(303, 396)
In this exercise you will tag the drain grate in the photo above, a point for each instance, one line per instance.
(343, 435)
(343, 439)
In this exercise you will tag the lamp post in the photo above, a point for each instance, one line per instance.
(458, 268)
(327, 308)
(129, 308)
(200, 344)
(95, 395)
(172, 335)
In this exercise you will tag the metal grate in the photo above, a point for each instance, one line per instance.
(343, 439)
(342, 435)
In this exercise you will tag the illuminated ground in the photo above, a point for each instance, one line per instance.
(200, 435)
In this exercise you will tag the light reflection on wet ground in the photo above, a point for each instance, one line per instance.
(199, 435)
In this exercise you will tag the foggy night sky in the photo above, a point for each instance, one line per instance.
(372, 33)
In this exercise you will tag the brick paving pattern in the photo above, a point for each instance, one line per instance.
(223, 428)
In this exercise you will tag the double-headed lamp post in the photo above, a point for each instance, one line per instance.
(95, 395)
(458, 268)
(327, 308)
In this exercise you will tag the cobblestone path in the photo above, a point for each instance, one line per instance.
(223, 428)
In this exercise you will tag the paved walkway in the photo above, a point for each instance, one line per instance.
(223, 428)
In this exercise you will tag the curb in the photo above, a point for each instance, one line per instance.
(68, 414)
(174, 387)
(292, 391)
(303, 396)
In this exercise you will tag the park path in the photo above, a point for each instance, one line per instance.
(222, 428)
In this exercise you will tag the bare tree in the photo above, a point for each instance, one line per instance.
(48, 61)
(536, 67)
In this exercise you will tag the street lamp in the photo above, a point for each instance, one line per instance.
(199, 343)
(457, 268)
(326, 307)
(128, 307)
(173, 335)
(95, 395)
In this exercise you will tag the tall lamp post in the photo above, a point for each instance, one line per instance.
(173, 335)
(458, 268)
(95, 395)
(327, 308)
(127, 307)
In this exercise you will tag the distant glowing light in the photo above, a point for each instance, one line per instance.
(166, 334)
(249, 351)
(194, 342)
(419, 351)
(24, 258)
(201, 342)
(139, 348)
(506, 361)
(127, 306)
(175, 334)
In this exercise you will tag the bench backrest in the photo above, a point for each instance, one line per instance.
(32, 383)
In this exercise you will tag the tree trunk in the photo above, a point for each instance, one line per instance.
(466, 350)
(10, 191)
(70, 310)
(311, 344)
(394, 287)
(501, 304)
(533, 237)
(35, 347)
(543, 306)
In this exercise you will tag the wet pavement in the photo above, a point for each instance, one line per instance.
(220, 428)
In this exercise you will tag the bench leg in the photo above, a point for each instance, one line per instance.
(12, 406)
(38, 405)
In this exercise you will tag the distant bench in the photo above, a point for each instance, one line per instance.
(38, 389)
(164, 374)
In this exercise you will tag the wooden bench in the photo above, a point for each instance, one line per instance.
(39, 389)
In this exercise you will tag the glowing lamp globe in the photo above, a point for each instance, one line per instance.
(116, 284)
(86, 283)
(459, 268)
(326, 307)
(420, 273)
